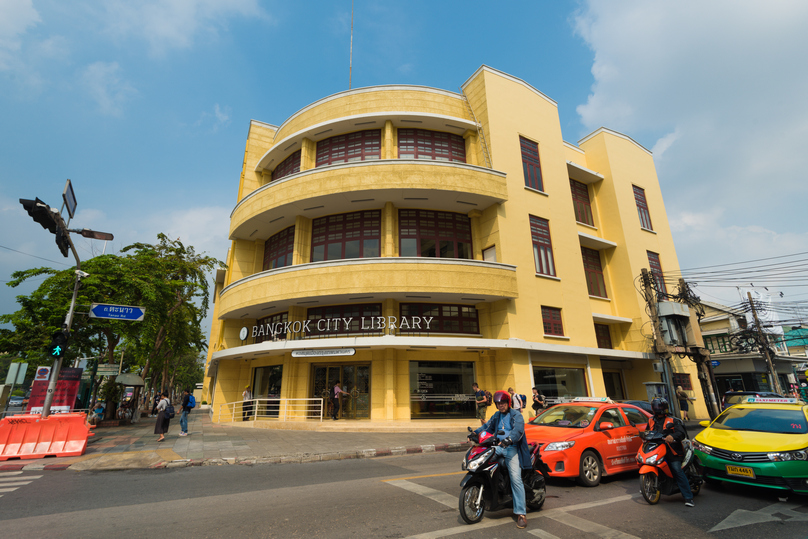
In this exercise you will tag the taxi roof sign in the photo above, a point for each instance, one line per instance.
(592, 399)
(764, 400)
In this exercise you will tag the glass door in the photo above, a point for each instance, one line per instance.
(355, 379)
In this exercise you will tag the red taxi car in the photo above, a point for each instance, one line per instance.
(588, 438)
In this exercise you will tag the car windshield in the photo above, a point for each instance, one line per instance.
(763, 420)
(567, 416)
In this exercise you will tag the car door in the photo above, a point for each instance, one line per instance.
(637, 421)
(616, 443)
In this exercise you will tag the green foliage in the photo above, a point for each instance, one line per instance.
(169, 279)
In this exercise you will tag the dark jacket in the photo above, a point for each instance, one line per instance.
(676, 428)
(186, 400)
(517, 435)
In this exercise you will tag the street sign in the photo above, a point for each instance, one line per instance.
(69, 199)
(324, 353)
(107, 369)
(117, 312)
(715, 363)
(16, 373)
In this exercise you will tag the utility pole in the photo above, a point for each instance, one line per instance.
(764, 343)
(662, 350)
(701, 356)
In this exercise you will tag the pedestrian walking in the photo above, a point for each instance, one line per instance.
(482, 402)
(246, 407)
(539, 401)
(516, 402)
(186, 409)
(335, 395)
(154, 408)
(683, 399)
(161, 425)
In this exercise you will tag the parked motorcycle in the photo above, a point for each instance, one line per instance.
(656, 476)
(487, 485)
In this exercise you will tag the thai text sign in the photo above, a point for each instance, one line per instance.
(67, 387)
(117, 312)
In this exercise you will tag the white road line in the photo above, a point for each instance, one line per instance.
(436, 495)
(590, 527)
(8, 489)
(21, 478)
(543, 534)
(5, 474)
(15, 484)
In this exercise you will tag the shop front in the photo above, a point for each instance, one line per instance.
(441, 390)
(353, 378)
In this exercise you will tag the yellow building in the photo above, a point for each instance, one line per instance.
(408, 241)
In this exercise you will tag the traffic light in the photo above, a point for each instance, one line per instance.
(63, 241)
(41, 213)
(58, 345)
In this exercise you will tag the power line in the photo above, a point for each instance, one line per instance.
(35, 256)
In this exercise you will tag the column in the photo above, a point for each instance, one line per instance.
(476, 246)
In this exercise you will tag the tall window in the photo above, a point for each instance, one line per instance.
(530, 164)
(356, 312)
(580, 201)
(278, 249)
(290, 165)
(346, 235)
(359, 146)
(271, 321)
(542, 247)
(642, 208)
(551, 319)
(594, 272)
(434, 145)
(445, 318)
(656, 272)
(437, 234)
(603, 336)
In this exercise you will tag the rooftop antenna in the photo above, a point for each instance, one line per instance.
(350, 61)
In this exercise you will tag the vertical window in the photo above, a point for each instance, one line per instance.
(359, 146)
(709, 343)
(682, 379)
(433, 145)
(530, 164)
(551, 318)
(542, 247)
(346, 235)
(290, 165)
(594, 272)
(642, 208)
(278, 249)
(603, 335)
(445, 318)
(580, 201)
(656, 272)
(490, 254)
(436, 234)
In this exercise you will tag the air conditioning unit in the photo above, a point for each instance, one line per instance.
(658, 366)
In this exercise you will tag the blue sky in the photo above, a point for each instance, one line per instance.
(146, 105)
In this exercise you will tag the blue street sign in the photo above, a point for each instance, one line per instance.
(715, 363)
(117, 312)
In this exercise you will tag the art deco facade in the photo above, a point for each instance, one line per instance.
(439, 238)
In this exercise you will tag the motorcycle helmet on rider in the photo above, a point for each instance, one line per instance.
(659, 406)
(502, 396)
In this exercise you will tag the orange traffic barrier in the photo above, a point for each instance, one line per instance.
(31, 437)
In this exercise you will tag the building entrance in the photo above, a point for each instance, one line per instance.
(355, 379)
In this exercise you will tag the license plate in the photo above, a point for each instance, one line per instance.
(741, 471)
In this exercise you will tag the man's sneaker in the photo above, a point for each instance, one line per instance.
(689, 503)
(521, 521)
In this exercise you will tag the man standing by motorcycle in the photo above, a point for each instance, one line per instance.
(674, 431)
(513, 449)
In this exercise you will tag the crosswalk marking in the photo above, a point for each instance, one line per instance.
(589, 527)
(436, 495)
(541, 534)
(11, 481)
(7, 474)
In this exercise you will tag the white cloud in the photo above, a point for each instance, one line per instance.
(718, 89)
(212, 121)
(104, 84)
(173, 24)
(16, 16)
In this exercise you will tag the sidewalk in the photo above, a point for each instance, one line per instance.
(208, 443)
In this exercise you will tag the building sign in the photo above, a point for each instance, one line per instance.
(67, 387)
(383, 324)
(324, 353)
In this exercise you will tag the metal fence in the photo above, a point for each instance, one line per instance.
(272, 410)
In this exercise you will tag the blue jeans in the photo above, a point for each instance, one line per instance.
(511, 457)
(681, 479)
(184, 421)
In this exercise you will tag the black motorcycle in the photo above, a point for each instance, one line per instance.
(487, 485)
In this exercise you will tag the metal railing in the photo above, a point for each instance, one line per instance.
(272, 410)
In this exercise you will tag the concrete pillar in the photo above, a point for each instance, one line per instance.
(302, 248)
(389, 230)
(476, 244)
(471, 147)
(389, 141)
(308, 154)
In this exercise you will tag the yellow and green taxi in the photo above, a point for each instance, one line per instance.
(760, 441)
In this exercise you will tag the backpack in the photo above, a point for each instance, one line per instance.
(169, 411)
(191, 401)
(488, 398)
(523, 399)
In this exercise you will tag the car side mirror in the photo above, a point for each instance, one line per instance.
(704, 423)
(606, 425)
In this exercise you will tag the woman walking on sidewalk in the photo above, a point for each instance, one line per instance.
(161, 425)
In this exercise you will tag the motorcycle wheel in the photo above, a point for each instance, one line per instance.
(470, 512)
(590, 469)
(695, 488)
(649, 491)
(534, 499)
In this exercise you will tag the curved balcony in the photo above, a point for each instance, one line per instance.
(407, 183)
(366, 280)
(369, 108)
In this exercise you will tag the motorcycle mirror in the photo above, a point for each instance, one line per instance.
(500, 432)
(470, 429)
